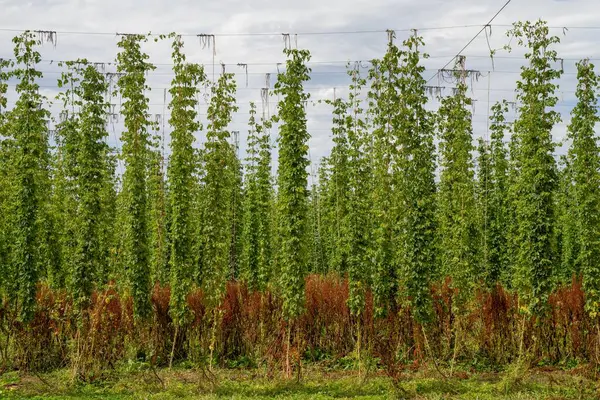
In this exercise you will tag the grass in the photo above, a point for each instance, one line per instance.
(316, 384)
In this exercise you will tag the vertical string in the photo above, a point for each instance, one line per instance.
(488, 107)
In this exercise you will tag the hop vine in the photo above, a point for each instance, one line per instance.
(292, 177)
(132, 62)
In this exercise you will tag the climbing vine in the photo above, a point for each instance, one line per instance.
(383, 98)
(493, 199)
(87, 166)
(157, 215)
(336, 198)
(132, 62)
(292, 206)
(218, 190)
(258, 201)
(536, 181)
(584, 156)
(182, 164)
(415, 174)
(360, 189)
(27, 127)
(456, 200)
(6, 184)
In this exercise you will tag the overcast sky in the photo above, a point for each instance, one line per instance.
(231, 21)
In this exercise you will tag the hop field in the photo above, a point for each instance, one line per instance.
(412, 262)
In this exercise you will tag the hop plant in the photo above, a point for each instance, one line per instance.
(27, 129)
(132, 63)
(456, 198)
(584, 163)
(182, 167)
(292, 206)
(536, 180)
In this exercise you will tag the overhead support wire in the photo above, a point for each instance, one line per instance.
(472, 40)
(234, 34)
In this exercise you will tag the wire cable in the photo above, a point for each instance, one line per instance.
(472, 39)
(234, 34)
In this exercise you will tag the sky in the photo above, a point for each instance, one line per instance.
(334, 31)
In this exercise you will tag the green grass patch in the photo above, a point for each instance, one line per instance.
(317, 383)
